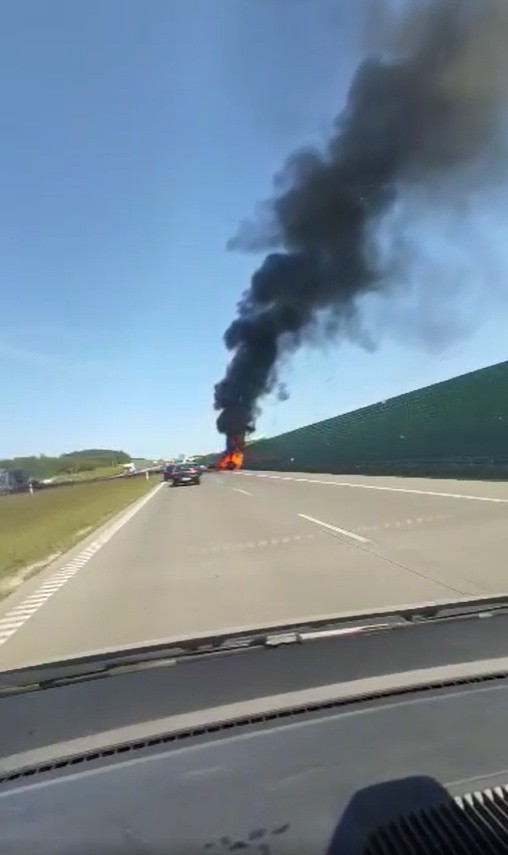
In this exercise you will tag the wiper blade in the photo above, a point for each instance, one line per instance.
(163, 655)
(478, 608)
(299, 637)
(116, 662)
(97, 666)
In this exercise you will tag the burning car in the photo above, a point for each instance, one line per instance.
(230, 461)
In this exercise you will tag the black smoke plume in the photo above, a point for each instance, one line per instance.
(429, 106)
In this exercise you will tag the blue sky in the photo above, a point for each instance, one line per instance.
(136, 135)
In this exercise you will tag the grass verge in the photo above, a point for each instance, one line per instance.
(102, 472)
(35, 527)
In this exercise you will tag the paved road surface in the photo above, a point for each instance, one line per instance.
(247, 548)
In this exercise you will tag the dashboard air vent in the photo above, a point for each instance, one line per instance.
(473, 824)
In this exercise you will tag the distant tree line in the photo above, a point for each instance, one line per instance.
(42, 466)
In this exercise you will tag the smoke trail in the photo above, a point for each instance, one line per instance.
(421, 116)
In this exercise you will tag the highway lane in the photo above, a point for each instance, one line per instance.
(247, 548)
(454, 532)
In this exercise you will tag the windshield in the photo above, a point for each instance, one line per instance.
(322, 187)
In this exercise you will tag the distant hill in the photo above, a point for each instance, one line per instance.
(103, 454)
(66, 464)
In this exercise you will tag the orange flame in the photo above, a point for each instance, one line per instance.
(232, 459)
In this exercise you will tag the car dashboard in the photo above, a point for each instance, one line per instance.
(390, 740)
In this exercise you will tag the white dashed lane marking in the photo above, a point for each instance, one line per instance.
(239, 490)
(403, 523)
(19, 615)
(334, 528)
(258, 544)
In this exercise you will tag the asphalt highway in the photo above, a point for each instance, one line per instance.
(244, 549)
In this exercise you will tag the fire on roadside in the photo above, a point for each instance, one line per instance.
(233, 457)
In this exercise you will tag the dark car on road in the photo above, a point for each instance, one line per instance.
(185, 473)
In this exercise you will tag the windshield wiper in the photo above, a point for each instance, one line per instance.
(164, 654)
(169, 653)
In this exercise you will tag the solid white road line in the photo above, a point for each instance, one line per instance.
(239, 490)
(20, 614)
(385, 489)
(334, 528)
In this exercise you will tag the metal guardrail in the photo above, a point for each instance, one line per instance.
(73, 482)
(40, 487)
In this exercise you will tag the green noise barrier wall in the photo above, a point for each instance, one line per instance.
(458, 426)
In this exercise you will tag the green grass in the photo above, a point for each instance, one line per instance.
(33, 527)
(102, 472)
